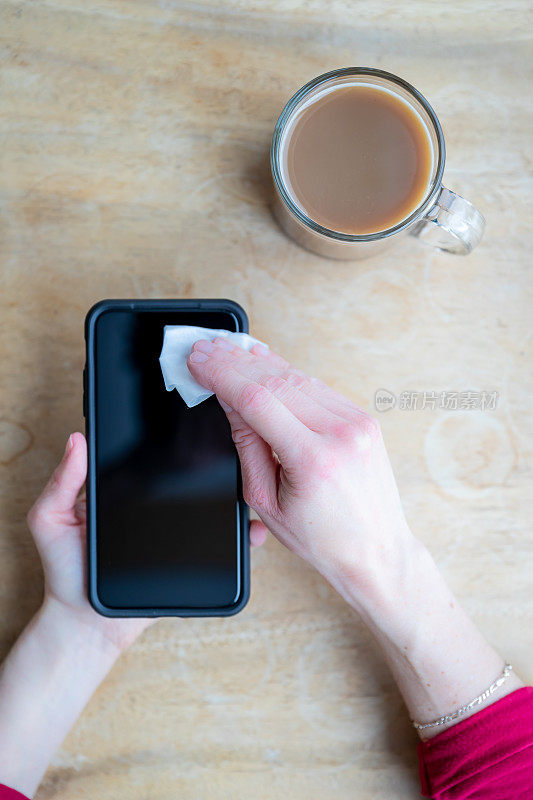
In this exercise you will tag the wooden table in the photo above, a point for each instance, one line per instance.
(134, 164)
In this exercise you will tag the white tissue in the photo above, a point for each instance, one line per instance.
(177, 344)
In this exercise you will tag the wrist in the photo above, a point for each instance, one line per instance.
(438, 657)
(404, 600)
(381, 585)
(393, 600)
(73, 631)
(46, 680)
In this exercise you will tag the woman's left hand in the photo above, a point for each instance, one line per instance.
(57, 523)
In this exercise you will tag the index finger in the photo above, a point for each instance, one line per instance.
(258, 406)
(331, 400)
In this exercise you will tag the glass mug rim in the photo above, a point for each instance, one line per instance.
(280, 129)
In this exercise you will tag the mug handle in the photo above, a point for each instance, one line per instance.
(451, 224)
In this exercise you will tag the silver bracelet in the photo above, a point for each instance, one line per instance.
(475, 702)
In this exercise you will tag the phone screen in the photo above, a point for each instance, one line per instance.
(166, 476)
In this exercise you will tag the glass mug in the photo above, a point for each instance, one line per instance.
(443, 219)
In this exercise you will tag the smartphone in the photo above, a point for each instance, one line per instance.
(167, 526)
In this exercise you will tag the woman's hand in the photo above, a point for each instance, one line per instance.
(328, 493)
(57, 523)
(316, 471)
(67, 648)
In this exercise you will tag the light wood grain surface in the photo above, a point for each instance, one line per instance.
(134, 164)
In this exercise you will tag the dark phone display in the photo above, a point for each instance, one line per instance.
(166, 475)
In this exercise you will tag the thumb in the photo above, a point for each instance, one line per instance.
(258, 465)
(56, 503)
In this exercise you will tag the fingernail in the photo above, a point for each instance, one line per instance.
(225, 344)
(204, 346)
(70, 445)
(224, 405)
(261, 350)
(197, 357)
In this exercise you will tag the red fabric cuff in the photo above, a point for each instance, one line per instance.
(10, 794)
(489, 755)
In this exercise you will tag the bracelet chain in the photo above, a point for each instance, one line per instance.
(420, 726)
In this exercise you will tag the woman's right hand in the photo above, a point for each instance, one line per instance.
(328, 493)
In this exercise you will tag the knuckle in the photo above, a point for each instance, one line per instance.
(253, 397)
(360, 432)
(285, 386)
(296, 379)
(216, 373)
(243, 437)
(248, 496)
(255, 496)
(370, 426)
(344, 432)
(368, 433)
(280, 361)
(274, 383)
(55, 479)
(278, 386)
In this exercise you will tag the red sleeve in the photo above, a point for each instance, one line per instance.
(10, 794)
(488, 756)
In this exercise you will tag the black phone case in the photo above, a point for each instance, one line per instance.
(89, 413)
